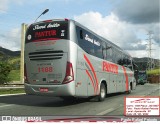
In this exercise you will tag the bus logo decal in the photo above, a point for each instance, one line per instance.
(126, 77)
(93, 71)
(110, 67)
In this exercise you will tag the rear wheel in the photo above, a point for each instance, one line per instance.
(130, 89)
(102, 94)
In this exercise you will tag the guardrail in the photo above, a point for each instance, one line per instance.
(12, 86)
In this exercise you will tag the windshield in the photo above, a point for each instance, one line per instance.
(142, 75)
(44, 31)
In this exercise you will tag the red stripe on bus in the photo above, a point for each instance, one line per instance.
(45, 39)
(126, 77)
(91, 80)
(92, 71)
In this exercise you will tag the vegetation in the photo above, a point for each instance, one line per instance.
(9, 69)
(11, 91)
(14, 75)
(154, 72)
(15, 62)
(5, 69)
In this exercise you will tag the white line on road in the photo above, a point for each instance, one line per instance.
(5, 105)
(106, 111)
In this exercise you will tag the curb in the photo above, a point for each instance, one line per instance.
(12, 94)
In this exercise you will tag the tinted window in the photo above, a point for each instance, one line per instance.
(98, 48)
(109, 53)
(104, 50)
(47, 31)
(120, 58)
(115, 55)
(89, 43)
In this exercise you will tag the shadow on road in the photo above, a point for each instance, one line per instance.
(41, 101)
(44, 101)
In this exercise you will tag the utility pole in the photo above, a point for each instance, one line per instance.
(150, 61)
(23, 32)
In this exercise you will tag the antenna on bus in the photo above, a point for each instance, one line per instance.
(44, 12)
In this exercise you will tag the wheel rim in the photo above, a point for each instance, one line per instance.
(129, 87)
(103, 93)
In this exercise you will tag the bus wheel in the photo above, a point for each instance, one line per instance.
(102, 94)
(130, 89)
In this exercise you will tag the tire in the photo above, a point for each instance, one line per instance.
(102, 94)
(130, 89)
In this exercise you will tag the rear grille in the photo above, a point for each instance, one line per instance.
(45, 55)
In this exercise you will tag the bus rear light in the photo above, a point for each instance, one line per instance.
(25, 74)
(69, 73)
(66, 19)
(48, 21)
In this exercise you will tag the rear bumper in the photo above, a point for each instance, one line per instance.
(53, 90)
(142, 82)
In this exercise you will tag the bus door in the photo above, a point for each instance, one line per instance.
(120, 82)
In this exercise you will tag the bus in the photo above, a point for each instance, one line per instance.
(65, 59)
(142, 77)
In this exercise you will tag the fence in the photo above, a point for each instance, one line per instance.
(154, 79)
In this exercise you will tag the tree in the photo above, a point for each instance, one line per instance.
(5, 69)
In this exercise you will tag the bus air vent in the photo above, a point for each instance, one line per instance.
(45, 55)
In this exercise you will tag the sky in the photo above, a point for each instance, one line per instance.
(126, 23)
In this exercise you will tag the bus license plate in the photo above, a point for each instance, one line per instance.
(43, 89)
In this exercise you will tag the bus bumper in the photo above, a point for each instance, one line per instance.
(50, 90)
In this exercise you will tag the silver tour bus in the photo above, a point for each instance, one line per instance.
(65, 59)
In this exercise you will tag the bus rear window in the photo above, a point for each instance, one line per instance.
(47, 31)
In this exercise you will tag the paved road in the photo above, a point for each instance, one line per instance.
(37, 105)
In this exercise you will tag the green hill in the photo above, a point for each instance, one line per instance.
(6, 52)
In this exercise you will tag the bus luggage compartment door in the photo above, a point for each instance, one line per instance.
(81, 83)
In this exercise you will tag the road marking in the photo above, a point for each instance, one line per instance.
(109, 110)
(5, 105)
(106, 111)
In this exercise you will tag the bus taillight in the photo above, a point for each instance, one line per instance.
(69, 73)
(66, 19)
(48, 21)
(25, 74)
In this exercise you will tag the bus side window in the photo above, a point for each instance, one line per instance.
(122, 60)
(119, 58)
(81, 34)
(109, 53)
(98, 49)
(125, 60)
(104, 50)
(115, 55)
(83, 43)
